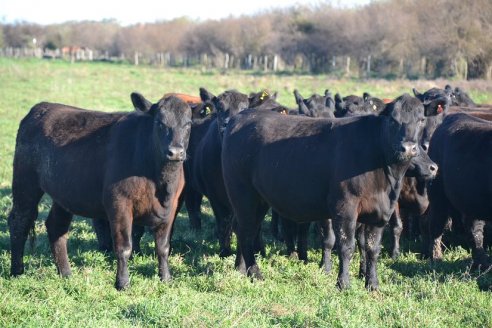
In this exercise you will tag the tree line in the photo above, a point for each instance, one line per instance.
(393, 38)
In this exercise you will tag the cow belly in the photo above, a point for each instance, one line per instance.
(74, 184)
(296, 202)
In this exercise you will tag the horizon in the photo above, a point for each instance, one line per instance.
(44, 13)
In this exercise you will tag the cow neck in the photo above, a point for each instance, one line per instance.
(395, 172)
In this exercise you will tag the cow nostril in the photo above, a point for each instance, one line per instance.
(425, 146)
(433, 168)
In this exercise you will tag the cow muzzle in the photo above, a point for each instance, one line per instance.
(409, 149)
(176, 154)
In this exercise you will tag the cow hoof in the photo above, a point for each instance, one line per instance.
(122, 285)
(254, 273)
(293, 255)
(482, 265)
(65, 273)
(16, 273)
(342, 284)
(326, 267)
(226, 252)
(372, 286)
(395, 255)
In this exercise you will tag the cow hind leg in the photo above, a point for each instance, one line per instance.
(302, 241)
(480, 259)
(223, 217)
(103, 235)
(21, 219)
(193, 202)
(289, 230)
(327, 244)
(137, 234)
(57, 226)
(249, 212)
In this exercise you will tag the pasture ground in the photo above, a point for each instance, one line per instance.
(206, 290)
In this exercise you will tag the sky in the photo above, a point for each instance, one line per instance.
(142, 11)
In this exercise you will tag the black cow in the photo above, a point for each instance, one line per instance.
(459, 97)
(123, 167)
(206, 168)
(462, 147)
(325, 172)
(354, 105)
(316, 105)
(434, 95)
(202, 115)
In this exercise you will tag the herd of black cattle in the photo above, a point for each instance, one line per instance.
(351, 164)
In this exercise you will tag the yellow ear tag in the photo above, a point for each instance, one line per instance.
(263, 95)
(207, 110)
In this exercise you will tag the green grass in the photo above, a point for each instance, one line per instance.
(206, 290)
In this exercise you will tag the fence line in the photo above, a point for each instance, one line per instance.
(364, 66)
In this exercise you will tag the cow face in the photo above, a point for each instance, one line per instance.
(171, 125)
(402, 129)
(227, 105)
(433, 100)
(372, 105)
(316, 105)
(356, 106)
(422, 167)
(462, 98)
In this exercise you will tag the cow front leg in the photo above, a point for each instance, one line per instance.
(361, 243)
(345, 236)
(479, 255)
(327, 243)
(121, 231)
(57, 225)
(396, 229)
(373, 248)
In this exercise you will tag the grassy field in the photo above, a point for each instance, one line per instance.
(206, 290)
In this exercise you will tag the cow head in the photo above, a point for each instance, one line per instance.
(372, 105)
(462, 98)
(171, 125)
(316, 105)
(402, 130)
(434, 100)
(422, 167)
(228, 104)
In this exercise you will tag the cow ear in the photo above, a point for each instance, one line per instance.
(298, 97)
(416, 93)
(366, 96)
(435, 107)
(139, 102)
(205, 95)
(207, 108)
(327, 93)
(274, 96)
(330, 103)
(218, 104)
